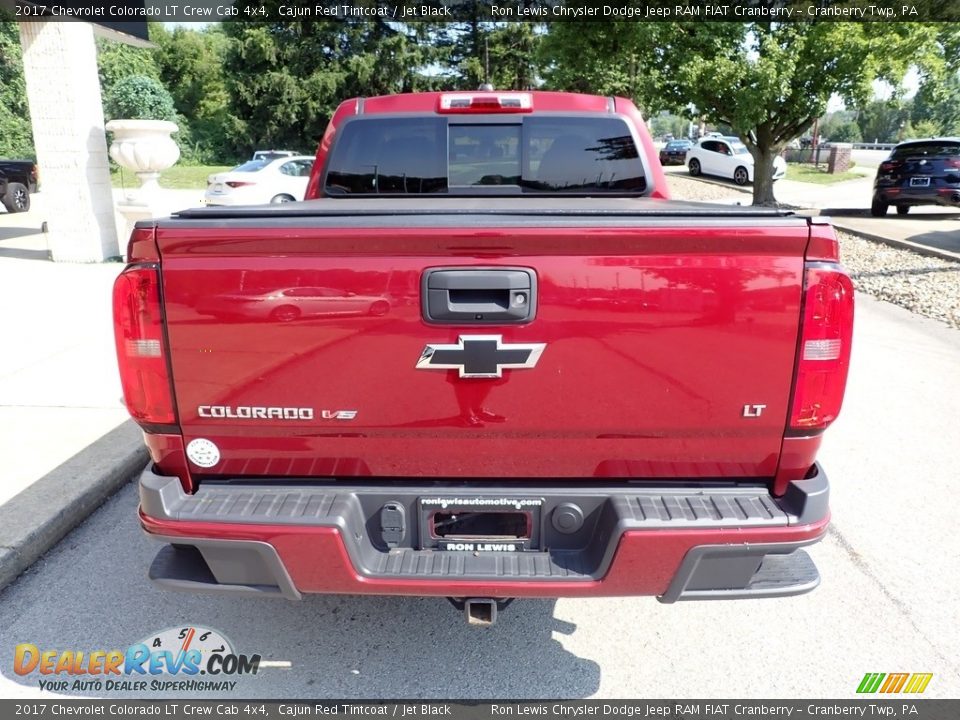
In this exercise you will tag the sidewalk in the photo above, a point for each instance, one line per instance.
(66, 441)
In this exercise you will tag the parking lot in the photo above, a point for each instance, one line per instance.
(887, 602)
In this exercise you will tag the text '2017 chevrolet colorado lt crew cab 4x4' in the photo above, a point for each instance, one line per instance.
(487, 358)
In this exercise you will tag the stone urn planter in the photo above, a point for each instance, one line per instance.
(144, 147)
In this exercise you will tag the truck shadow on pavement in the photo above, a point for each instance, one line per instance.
(91, 593)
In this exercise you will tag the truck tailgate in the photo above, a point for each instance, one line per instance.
(669, 339)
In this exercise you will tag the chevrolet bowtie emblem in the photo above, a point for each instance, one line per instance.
(480, 356)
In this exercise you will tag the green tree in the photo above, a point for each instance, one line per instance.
(577, 57)
(191, 65)
(511, 51)
(463, 49)
(471, 52)
(830, 124)
(767, 81)
(117, 60)
(284, 79)
(16, 136)
(937, 105)
(847, 132)
(883, 120)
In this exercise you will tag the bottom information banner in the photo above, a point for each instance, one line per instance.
(912, 709)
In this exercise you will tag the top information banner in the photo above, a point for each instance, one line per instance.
(541, 11)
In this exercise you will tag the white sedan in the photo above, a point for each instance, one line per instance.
(729, 158)
(256, 182)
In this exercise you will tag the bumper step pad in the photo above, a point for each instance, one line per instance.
(724, 572)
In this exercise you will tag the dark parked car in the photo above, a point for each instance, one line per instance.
(918, 172)
(675, 152)
(3, 185)
(21, 181)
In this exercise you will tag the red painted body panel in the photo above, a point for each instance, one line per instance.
(656, 339)
(317, 560)
(796, 459)
(167, 451)
(543, 101)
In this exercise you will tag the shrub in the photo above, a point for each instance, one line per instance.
(139, 97)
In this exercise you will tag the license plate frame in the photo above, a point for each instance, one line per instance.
(530, 507)
(920, 182)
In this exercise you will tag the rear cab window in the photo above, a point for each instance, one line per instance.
(533, 154)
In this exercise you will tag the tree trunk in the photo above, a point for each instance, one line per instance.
(763, 177)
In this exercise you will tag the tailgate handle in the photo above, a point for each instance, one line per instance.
(465, 296)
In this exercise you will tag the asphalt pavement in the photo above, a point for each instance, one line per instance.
(889, 565)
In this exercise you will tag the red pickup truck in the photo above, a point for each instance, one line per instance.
(487, 359)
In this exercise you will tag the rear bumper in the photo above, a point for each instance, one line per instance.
(674, 541)
(948, 196)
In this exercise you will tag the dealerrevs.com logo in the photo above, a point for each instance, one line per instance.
(171, 660)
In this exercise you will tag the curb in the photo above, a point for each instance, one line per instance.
(35, 520)
(894, 243)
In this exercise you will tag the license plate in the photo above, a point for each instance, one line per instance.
(919, 182)
(218, 188)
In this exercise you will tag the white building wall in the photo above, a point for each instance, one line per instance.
(63, 89)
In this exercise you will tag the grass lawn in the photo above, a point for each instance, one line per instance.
(179, 177)
(819, 175)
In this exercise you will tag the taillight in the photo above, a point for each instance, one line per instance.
(238, 183)
(824, 352)
(889, 166)
(952, 163)
(141, 347)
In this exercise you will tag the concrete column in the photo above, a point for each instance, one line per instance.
(63, 89)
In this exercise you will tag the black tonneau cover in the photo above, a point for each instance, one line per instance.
(451, 212)
(559, 206)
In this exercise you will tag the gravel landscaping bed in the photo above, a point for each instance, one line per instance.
(687, 188)
(924, 285)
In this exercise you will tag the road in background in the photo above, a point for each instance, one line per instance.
(869, 158)
(888, 602)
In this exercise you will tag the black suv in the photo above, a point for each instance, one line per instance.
(918, 172)
(675, 152)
